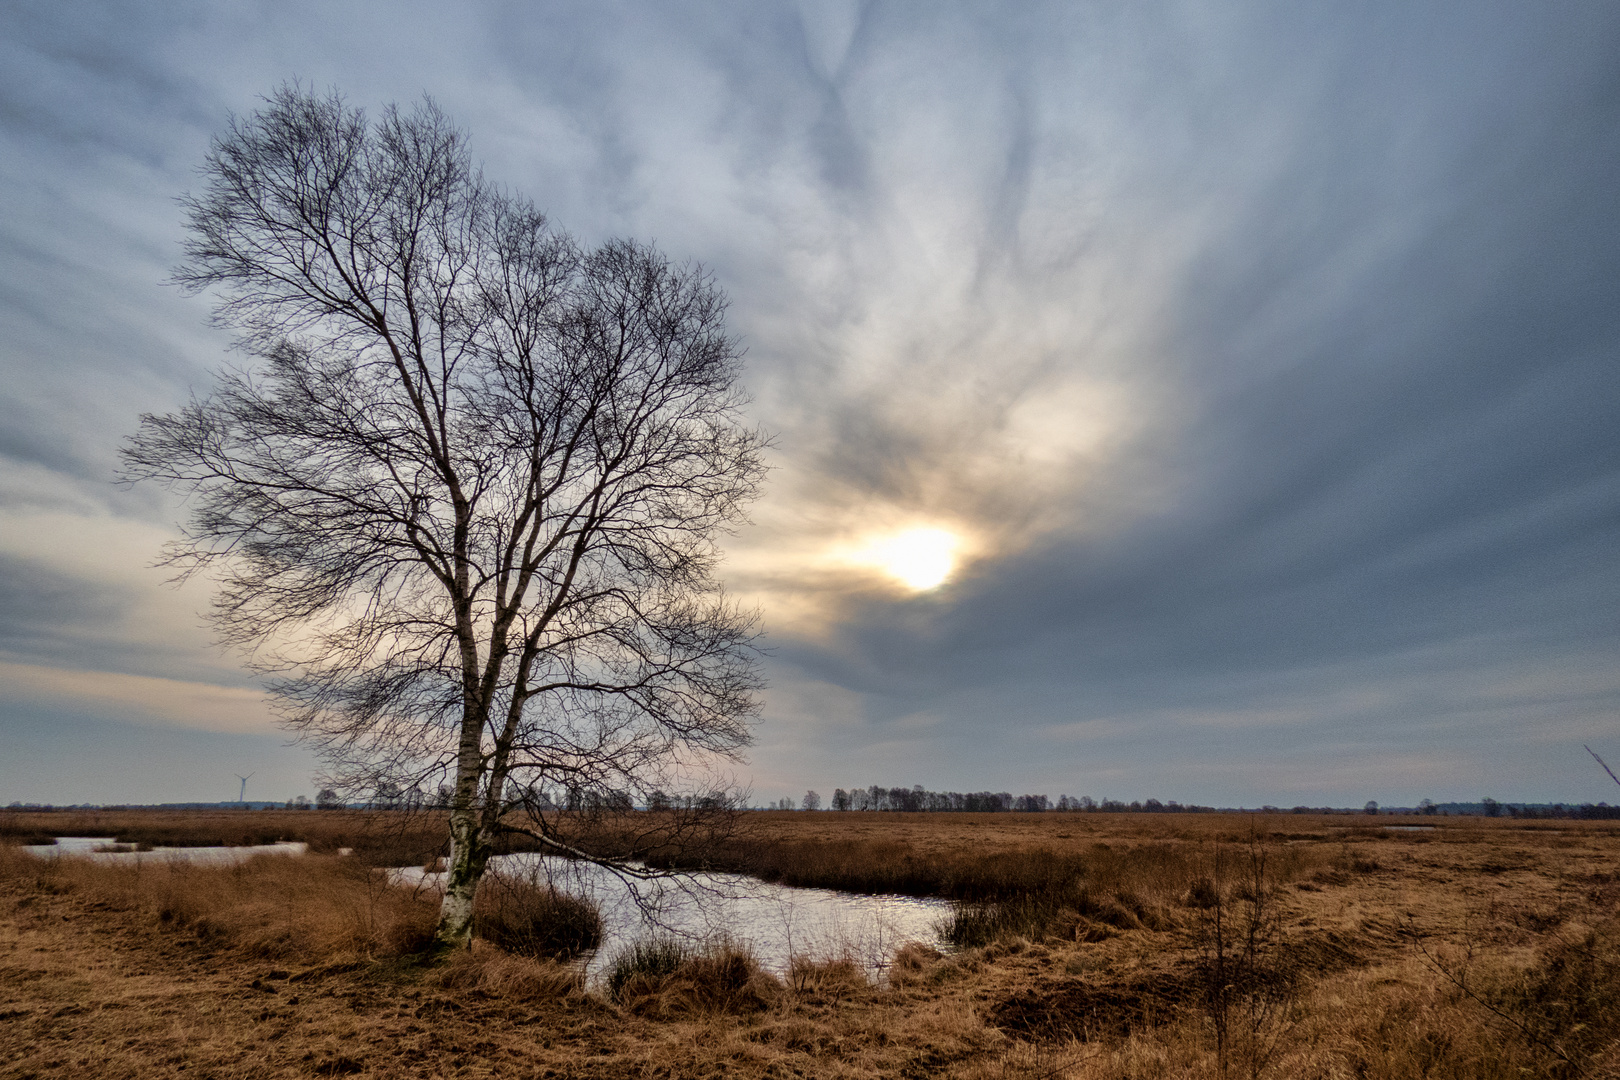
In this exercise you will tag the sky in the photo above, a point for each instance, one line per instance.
(1198, 401)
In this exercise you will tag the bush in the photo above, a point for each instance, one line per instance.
(532, 918)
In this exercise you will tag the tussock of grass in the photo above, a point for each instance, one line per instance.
(649, 959)
(826, 980)
(915, 964)
(514, 978)
(662, 979)
(530, 917)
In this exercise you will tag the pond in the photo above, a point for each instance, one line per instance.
(107, 849)
(774, 922)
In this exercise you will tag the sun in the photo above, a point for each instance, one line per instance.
(920, 558)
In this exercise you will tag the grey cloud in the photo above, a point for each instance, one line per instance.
(1398, 446)
(57, 619)
(43, 607)
(1360, 263)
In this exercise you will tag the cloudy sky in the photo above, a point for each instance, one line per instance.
(1249, 373)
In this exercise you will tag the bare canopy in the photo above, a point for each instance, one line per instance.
(464, 500)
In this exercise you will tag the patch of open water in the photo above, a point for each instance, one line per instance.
(209, 856)
(775, 922)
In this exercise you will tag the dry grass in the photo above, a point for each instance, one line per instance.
(1483, 949)
(501, 974)
(312, 910)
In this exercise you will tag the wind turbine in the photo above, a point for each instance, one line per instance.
(243, 796)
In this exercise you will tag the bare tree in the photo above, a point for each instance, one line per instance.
(463, 501)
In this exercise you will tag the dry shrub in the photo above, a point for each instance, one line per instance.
(662, 980)
(1569, 998)
(530, 917)
(307, 908)
(515, 978)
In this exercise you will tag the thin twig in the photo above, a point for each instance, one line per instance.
(1417, 940)
(1600, 761)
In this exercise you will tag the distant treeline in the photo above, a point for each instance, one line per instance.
(1586, 811)
(914, 799)
(919, 799)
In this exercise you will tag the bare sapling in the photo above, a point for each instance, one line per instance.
(1246, 986)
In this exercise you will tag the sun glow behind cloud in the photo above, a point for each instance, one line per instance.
(919, 558)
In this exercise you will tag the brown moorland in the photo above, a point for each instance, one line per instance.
(1102, 945)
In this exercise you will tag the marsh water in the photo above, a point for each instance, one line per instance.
(774, 922)
(106, 849)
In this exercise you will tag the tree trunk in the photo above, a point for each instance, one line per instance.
(469, 854)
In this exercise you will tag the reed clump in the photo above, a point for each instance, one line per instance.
(663, 979)
(530, 917)
(649, 958)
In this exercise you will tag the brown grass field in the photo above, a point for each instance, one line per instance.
(1095, 945)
